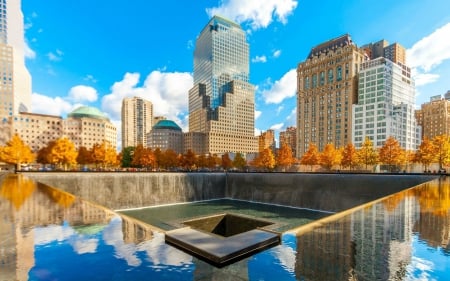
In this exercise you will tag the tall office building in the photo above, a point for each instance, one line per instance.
(385, 108)
(393, 52)
(434, 116)
(15, 86)
(222, 102)
(137, 117)
(326, 90)
(289, 137)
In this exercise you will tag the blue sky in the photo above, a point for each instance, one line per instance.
(96, 53)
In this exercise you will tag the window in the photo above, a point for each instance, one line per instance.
(339, 73)
(330, 76)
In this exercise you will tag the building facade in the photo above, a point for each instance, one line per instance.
(385, 108)
(15, 89)
(221, 102)
(165, 135)
(326, 90)
(137, 117)
(267, 140)
(87, 126)
(434, 117)
(289, 137)
(37, 130)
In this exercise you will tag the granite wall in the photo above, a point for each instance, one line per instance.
(329, 192)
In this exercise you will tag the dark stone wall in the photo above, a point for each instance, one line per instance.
(328, 192)
(134, 190)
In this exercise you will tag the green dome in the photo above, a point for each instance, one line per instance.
(86, 111)
(167, 124)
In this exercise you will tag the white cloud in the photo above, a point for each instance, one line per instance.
(281, 89)
(277, 127)
(279, 109)
(167, 91)
(28, 52)
(291, 120)
(52, 106)
(257, 131)
(259, 59)
(257, 114)
(56, 56)
(427, 53)
(258, 13)
(90, 78)
(82, 93)
(276, 53)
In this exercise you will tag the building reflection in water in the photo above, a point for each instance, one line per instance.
(46, 233)
(376, 241)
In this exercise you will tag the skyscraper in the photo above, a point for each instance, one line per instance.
(137, 117)
(434, 116)
(385, 108)
(15, 87)
(326, 90)
(221, 102)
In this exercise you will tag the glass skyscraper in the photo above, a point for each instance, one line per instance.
(221, 103)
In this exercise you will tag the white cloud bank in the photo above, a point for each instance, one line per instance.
(428, 53)
(82, 93)
(282, 89)
(168, 93)
(258, 13)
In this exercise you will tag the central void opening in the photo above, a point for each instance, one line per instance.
(226, 225)
(265, 216)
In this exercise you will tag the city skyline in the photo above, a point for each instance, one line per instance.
(119, 58)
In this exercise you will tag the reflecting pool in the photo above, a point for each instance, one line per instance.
(46, 234)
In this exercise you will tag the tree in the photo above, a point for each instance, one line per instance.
(426, 153)
(265, 160)
(104, 154)
(311, 156)
(226, 162)
(169, 159)
(84, 156)
(367, 154)
(284, 157)
(442, 146)
(202, 161)
(43, 153)
(143, 157)
(16, 152)
(239, 161)
(391, 153)
(127, 156)
(189, 160)
(349, 157)
(330, 157)
(63, 153)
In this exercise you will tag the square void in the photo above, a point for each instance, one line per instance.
(223, 239)
(226, 225)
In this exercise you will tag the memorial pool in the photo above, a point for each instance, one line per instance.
(46, 234)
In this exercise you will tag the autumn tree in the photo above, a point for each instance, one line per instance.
(104, 154)
(16, 152)
(442, 146)
(330, 157)
(265, 160)
(311, 156)
(239, 161)
(63, 153)
(84, 156)
(391, 153)
(43, 153)
(169, 159)
(349, 157)
(284, 157)
(226, 161)
(426, 153)
(143, 157)
(367, 154)
(189, 160)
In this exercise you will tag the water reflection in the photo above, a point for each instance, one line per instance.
(50, 235)
(404, 237)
